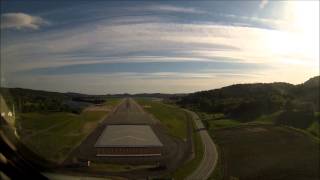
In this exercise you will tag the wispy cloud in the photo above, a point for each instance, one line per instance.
(151, 42)
(278, 24)
(176, 9)
(21, 21)
(263, 4)
(166, 82)
(143, 67)
(96, 49)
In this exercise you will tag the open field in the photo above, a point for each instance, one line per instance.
(266, 152)
(112, 102)
(54, 135)
(219, 121)
(223, 123)
(174, 118)
(246, 142)
(314, 129)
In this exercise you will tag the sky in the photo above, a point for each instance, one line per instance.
(107, 47)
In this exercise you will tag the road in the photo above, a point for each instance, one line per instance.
(210, 155)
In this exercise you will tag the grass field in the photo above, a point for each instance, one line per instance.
(219, 121)
(266, 152)
(267, 119)
(54, 135)
(314, 129)
(261, 150)
(223, 123)
(112, 102)
(174, 118)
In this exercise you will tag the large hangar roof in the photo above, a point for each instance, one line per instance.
(128, 136)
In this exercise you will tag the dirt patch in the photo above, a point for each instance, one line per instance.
(88, 127)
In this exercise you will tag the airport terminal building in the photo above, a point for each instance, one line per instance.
(128, 140)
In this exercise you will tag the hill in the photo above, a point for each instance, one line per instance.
(29, 100)
(295, 104)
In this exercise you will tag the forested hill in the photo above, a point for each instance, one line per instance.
(252, 100)
(29, 100)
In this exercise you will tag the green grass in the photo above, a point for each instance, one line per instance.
(267, 119)
(68, 130)
(314, 129)
(34, 122)
(54, 135)
(191, 165)
(223, 123)
(211, 116)
(174, 118)
(217, 121)
(112, 101)
(306, 133)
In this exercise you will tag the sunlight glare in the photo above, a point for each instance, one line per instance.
(300, 40)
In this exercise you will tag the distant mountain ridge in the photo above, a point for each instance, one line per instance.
(255, 99)
(29, 100)
(18, 90)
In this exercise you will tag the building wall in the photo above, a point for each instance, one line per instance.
(127, 151)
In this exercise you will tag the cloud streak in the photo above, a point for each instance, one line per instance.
(21, 21)
(146, 67)
(151, 42)
(118, 45)
(263, 4)
(175, 9)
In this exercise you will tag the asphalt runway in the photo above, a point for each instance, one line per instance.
(174, 152)
(130, 112)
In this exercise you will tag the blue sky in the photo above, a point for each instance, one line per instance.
(101, 47)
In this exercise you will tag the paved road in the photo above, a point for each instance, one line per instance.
(129, 112)
(210, 156)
